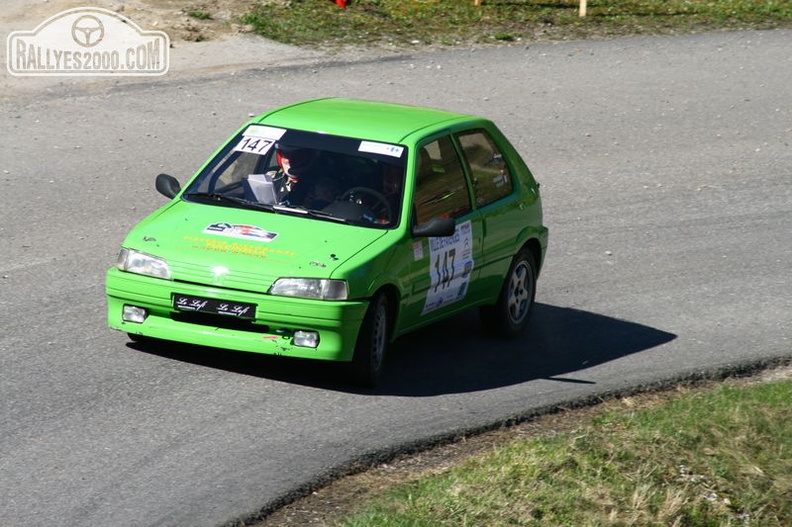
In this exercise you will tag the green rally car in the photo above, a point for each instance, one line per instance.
(327, 228)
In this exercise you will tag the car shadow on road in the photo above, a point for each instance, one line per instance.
(454, 355)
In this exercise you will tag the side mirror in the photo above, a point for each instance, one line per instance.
(167, 185)
(436, 227)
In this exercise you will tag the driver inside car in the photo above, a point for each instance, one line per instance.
(303, 179)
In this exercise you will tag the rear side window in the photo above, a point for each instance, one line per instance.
(441, 188)
(489, 173)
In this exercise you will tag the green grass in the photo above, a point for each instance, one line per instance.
(718, 457)
(450, 22)
(199, 14)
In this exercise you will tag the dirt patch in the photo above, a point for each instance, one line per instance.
(182, 20)
(189, 21)
(205, 39)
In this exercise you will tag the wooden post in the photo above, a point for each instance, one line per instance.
(476, 2)
(582, 8)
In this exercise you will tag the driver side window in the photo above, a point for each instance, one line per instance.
(489, 172)
(440, 185)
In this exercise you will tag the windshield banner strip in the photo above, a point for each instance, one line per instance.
(381, 148)
(266, 132)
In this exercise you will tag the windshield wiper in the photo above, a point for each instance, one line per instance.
(290, 209)
(287, 209)
(302, 211)
(223, 198)
(327, 216)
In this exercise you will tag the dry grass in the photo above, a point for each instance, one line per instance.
(661, 458)
(720, 457)
(453, 22)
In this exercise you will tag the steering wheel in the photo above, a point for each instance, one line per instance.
(382, 205)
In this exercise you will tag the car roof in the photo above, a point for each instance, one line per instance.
(362, 119)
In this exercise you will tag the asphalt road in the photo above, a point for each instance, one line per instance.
(666, 171)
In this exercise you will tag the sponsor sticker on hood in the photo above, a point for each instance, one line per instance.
(245, 232)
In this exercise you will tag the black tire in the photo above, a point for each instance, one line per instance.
(372, 343)
(509, 316)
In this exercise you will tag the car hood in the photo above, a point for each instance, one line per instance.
(246, 249)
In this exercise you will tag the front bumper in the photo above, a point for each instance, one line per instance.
(277, 318)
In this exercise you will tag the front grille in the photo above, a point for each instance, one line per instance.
(205, 275)
(219, 321)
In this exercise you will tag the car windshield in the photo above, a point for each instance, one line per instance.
(306, 173)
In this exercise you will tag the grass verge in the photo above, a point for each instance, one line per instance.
(454, 22)
(712, 457)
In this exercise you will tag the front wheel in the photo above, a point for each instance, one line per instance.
(372, 343)
(509, 316)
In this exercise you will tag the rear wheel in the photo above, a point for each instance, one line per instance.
(510, 314)
(372, 343)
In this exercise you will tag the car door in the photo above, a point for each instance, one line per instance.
(444, 269)
(497, 201)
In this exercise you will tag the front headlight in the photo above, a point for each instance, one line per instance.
(134, 261)
(310, 288)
